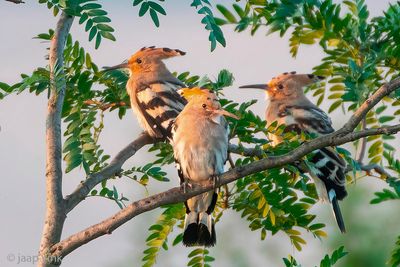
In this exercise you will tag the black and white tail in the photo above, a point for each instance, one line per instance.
(199, 229)
(336, 210)
(329, 176)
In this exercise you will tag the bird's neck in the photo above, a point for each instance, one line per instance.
(289, 100)
(152, 76)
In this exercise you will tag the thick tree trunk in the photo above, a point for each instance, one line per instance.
(55, 204)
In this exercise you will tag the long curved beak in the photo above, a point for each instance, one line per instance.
(226, 113)
(123, 65)
(257, 86)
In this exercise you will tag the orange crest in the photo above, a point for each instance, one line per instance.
(189, 93)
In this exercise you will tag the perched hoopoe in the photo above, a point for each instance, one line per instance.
(288, 105)
(153, 89)
(200, 143)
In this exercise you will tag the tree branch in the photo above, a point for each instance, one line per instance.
(247, 152)
(370, 167)
(362, 111)
(55, 206)
(114, 167)
(176, 195)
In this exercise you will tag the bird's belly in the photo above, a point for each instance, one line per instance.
(199, 163)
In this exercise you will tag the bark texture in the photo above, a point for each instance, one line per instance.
(55, 204)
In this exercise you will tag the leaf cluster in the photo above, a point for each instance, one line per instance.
(89, 12)
(327, 261)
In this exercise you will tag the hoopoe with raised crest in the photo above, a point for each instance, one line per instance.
(288, 105)
(153, 89)
(200, 143)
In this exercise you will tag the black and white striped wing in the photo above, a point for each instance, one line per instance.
(330, 168)
(312, 119)
(159, 104)
(328, 165)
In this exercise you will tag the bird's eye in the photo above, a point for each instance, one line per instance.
(138, 61)
(204, 105)
(280, 86)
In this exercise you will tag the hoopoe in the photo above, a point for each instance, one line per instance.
(288, 105)
(200, 143)
(153, 89)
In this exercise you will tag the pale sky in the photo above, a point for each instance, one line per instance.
(22, 135)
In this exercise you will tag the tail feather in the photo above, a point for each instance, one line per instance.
(207, 238)
(191, 217)
(199, 230)
(206, 220)
(206, 230)
(191, 235)
(191, 229)
(336, 211)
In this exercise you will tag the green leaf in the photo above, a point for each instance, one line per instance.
(380, 109)
(157, 7)
(395, 255)
(160, 231)
(91, 6)
(98, 40)
(154, 17)
(108, 35)
(89, 25)
(227, 14)
(384, 195)
(137, 2)
(195, 252)
(92, 33)
(385, 119)
(335, 105)
(73, 163)
(104, 27)
(83, 18)
(143, 9)
(101, 19)
(178, 239)
(96, 12)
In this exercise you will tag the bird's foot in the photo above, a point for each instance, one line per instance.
(216, 181)
(185, 185)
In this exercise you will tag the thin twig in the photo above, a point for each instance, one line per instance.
(363, 143)
(373, 167)
(104, 106)
(114, 167)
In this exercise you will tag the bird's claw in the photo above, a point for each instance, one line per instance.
(186, 185)
(216, 181)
